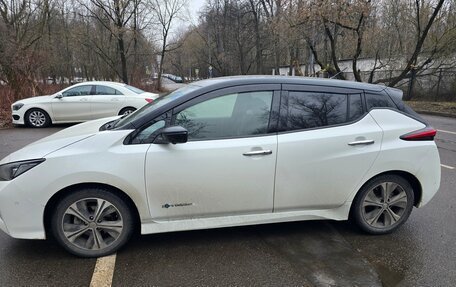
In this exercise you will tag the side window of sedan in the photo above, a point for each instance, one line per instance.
(78, 91)
(229, 116)
(106, 91)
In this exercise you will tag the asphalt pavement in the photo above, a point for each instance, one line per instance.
(312, 253)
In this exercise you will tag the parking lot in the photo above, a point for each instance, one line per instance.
(316, 253)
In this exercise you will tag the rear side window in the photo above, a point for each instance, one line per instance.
(107, 91)
(379, 101)
(306, 110)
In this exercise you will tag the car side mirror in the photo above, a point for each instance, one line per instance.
(59, 96)
(174, 135)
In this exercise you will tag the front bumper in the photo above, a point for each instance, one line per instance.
(17, 118)
(20, 217)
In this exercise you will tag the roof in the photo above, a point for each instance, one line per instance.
(246, 80)
(100, 83)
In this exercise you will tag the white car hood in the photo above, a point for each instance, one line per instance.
(59, 140)
(35, 100)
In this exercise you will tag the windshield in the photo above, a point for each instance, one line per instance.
(134, 90)
(159, 102)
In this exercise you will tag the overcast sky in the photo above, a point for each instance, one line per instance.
(194, 7)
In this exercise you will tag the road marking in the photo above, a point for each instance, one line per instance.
(448, 132)
(447, 166)
(104, 271)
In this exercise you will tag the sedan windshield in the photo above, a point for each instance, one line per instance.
(159, 102)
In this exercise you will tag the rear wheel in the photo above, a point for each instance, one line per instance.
(126, 111)
(37, 118)
(383, 204)
(92, 222)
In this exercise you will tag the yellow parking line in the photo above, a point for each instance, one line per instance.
(447, 166)
(104, 271)
(448, 132)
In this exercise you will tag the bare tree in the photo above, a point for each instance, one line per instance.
(165, 13)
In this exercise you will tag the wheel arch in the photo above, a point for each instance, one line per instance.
(49, 208)
(410, 178)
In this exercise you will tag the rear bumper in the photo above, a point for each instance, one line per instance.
(429, 175)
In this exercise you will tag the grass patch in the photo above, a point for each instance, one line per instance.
(443, 108)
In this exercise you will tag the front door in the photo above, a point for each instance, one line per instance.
(74, 105)
(228, 165)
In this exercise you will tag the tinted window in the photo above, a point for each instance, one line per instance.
(378, 101)
(307, 110)
(147, 134)
(103, 90)
(233, 115)
(355, 108)
(78, 91)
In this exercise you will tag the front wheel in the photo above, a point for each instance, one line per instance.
(383, 204)
(37, 118)
(92, 222)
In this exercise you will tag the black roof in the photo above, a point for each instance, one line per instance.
(264, 79)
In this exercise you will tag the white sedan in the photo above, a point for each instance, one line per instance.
(79, 103)
(225, 152)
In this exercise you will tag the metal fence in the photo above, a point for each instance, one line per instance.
(430, 84)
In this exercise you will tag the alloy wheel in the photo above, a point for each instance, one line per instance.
(384, 205)
(92, 224)
(37, 118)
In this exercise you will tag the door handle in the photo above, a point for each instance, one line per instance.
(257, 152)
(115, 100)
(363, 142)
(83, 100)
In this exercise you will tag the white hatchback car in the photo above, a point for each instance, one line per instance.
(79, 103)
(225, 152)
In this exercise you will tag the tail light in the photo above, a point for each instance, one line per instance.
(149, 100)
(426, 134)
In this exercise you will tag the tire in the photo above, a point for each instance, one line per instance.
(92, 222)
(126, 111)
(37, 118)
(383, 204)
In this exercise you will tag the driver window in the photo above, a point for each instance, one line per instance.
(78, 91)
(228, 116)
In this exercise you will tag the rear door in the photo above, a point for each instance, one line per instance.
(326, 144)
(106, 102)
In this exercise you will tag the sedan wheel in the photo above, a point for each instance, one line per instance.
(384, 204)
(37, 118)
(92, 223)
(126, 111)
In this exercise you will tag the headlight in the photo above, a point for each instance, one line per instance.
(14, 169)
(16, 107)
